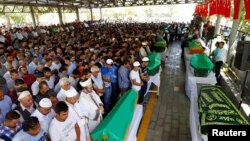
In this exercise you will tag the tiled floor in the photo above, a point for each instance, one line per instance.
(170, 117)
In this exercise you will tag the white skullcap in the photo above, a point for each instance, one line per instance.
(71, 92)
(109, 61)
(86, 83)
(145, 59)
(23, 95)
(136, 64)
(45, 103)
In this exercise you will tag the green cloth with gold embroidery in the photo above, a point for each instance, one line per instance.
(216, 108)
(116, 124)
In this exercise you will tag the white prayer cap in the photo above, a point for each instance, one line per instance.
(136, 64)
(23, 95)
(86, 83)
(45, 103)
(145, 59)
(71, 92)
(109, 61)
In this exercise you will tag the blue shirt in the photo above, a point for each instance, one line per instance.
(123, 78)
(23, 136)
(114, 74)
(7, 132)
(5, 106)
(106, 72)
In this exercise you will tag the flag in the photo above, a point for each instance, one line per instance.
(247, 7)
(236, 9)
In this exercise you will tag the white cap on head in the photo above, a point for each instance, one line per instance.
(23, 95)
(86, 83)
(71, 92)
(109, 61)
(136, 64)
(145, 59)
(45, 103)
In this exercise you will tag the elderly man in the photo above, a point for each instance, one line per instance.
(65, 86)
(96, 77)
(26, 106)
(92, 103)
(44, 113)
(78, 112)
(64, 127)
(5, 105)
(31, 131)
(10, 126)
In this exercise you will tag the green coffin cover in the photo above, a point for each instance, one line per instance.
(194, 44)
(115, 126)
(201, 61)
(215, 108)
(153, 64)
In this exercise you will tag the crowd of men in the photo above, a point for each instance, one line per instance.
(57, 82)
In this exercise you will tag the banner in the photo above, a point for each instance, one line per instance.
(236, 9)
(247, 7)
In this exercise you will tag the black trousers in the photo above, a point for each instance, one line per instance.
(217, 68)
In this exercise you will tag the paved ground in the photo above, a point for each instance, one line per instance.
(170, 117)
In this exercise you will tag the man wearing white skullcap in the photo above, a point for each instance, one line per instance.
(80, 116)
(26, 106)
(44, 113)
(92, 104)
(135, 77)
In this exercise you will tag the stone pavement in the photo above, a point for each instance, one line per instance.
(170, 117)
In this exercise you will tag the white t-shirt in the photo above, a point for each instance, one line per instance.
(135, 75)
(63, 131)
(35, 88)
(44, 119)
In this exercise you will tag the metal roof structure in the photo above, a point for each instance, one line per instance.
(92, 3)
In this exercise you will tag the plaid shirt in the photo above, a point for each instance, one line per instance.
(6, 131)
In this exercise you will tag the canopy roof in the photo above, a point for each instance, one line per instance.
(93, 3)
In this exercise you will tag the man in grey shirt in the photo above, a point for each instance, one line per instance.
(123, 76)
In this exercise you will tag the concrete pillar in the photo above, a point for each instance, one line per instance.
(77, 15)
(60, 15)
(100, 13)
(218, 26)
(91, 13)
(33, 16)
(234, 32)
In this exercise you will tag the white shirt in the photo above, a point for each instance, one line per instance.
(221, 55)
(62, 94)
(7, 76)
(143, 52)
(51, 82)
(80, 118)
(63, 131)
(31, 110)
(56, 66)
(98, 81)
(44, 120)
(86, 101)
(135, 75)
(35, 88)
